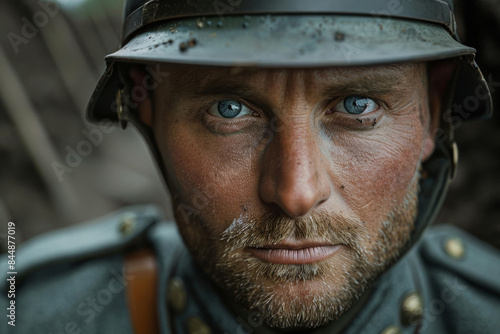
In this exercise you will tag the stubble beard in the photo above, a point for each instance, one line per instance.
(305, 295)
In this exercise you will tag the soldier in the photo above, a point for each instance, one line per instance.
(307, 147)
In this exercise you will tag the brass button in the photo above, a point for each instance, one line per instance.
(455, 248)
(197, 326)
(412, 309)
(127, 224)
(176, 295)
(392, 330)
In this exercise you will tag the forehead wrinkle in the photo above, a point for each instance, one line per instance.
(377, 80)
(207, 80)
(189, 77)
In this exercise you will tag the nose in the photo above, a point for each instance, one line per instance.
(294, 175)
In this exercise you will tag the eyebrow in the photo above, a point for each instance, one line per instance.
(364, 87)
(378, 81)
(225, 89)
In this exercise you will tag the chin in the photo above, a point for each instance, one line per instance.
(297, 296)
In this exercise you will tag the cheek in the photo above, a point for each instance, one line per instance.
(211, 178)
(378, 166)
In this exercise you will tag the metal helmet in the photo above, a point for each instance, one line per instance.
(297, 33)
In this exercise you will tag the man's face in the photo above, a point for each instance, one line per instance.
(294, 189)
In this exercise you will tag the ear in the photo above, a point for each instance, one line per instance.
(144, 102)
(439, 76)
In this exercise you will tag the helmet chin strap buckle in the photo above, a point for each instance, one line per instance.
(454, 166)
(121, 109)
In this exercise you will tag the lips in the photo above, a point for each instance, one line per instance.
(294, 252)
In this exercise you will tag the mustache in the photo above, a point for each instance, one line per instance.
(274, 227)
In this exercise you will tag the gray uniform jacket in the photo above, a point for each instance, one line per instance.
(72, 282)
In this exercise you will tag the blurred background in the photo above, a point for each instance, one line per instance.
(51, 57)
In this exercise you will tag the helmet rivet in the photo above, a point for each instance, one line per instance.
(454, 148)
(120, 108)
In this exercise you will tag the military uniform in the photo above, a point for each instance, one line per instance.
(72, 281)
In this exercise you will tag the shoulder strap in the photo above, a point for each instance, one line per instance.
(115, 233)
(141, 266)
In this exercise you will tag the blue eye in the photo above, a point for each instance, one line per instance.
(357, 105)
(229, 109)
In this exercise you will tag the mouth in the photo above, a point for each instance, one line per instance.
(294, 252)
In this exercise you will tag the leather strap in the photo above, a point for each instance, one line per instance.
(142, 269)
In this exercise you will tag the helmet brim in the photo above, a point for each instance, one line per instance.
(291, 41)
